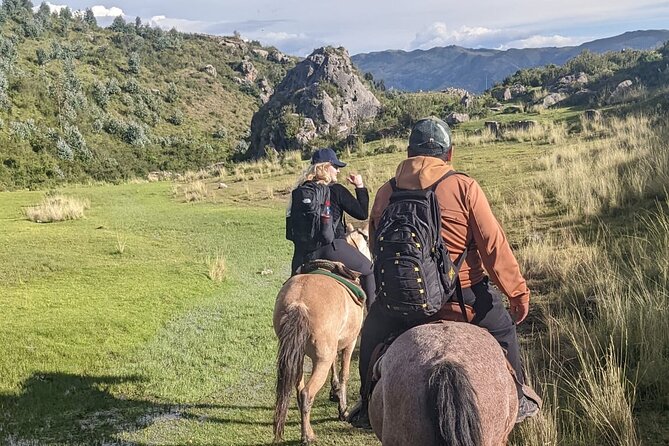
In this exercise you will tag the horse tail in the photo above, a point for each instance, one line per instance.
(453, 402)
(293, 333)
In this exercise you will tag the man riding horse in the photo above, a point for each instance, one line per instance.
(470, 230)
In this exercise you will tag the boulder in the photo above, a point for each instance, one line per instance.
(263, 54)
(552, 99)
(620, 91)
(266, 90)
(457, 118)
(324, 88)
(520, 125)
(457, 92)
(507, 95)
(210, 70)
(466, 101)
(592, 115)
(493, 127)
(278, 56)
(248, 70)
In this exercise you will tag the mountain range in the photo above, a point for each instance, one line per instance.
(478, 69)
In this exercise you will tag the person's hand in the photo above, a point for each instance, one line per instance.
(355, 180)
(518, 310)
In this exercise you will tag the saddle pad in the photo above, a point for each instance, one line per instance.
(358, 295)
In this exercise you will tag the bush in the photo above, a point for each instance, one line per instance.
(135, 135)
(134, 63)
(176, 118)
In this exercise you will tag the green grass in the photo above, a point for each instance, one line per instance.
(142, 346)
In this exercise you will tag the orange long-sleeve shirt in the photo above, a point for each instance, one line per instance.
(467, 220)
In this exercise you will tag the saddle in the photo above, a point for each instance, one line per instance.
(450, 312)
(340, 272)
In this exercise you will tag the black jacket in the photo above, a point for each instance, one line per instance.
(342, 201)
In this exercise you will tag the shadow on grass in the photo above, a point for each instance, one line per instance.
(74, 410)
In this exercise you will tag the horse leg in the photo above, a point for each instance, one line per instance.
(334, 383)
(319, 375)
(346, 355)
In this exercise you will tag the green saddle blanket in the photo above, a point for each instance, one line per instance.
(357, 292)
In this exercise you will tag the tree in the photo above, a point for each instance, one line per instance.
(89, 18)
(118, 24)
(138, 23)
(134, 63)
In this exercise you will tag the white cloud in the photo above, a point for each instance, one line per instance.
(184, 25)
(52, 7)
(438, 34)
(103, 11)
(538, 41)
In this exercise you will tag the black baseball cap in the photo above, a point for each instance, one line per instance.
(326, 155)
(430, 136)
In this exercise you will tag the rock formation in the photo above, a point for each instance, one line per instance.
(320, 95)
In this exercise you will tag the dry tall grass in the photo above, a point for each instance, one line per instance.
(217, 267)
(57, 208)
(195, 190)
(607, 338)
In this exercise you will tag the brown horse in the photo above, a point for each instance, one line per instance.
(314, 315)
(444, 384)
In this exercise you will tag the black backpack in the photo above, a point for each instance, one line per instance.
(304, 225)
(414, 274)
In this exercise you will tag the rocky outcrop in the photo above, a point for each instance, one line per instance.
(457, 118)
(320, 95)
(210, 70)
(248, 70)
(266, 90)
(552, 99)
(621, 90)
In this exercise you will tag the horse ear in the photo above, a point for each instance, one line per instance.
(349, 227)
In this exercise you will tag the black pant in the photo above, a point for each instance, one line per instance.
(490, 314)
(340, 251)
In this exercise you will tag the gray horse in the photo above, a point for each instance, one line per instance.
(444, 384)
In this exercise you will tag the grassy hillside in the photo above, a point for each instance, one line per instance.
(114, 331)
(78, 101)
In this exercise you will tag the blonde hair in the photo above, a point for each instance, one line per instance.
(319, 173)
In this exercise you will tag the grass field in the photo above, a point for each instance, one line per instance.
(113, 331)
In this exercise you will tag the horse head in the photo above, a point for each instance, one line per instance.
(359, 238)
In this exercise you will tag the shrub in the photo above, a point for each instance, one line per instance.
(42, 56)
(134, 63)
(57, 208)
(135, 135)
(64, 151)
(100, 94)
(176, 118)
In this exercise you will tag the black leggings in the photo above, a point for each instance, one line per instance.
(490, 314)
(340, 251)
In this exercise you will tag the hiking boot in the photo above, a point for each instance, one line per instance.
(359, 417)
(526, 409)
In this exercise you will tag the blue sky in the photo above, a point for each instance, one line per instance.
(298, 26)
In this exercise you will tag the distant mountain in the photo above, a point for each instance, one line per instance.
(478, 69)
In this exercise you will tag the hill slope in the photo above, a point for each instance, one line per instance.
(78, 101)
(478, 69)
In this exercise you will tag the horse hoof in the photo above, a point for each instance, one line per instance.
(333, 396)
(308, 441)
(343, 416)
